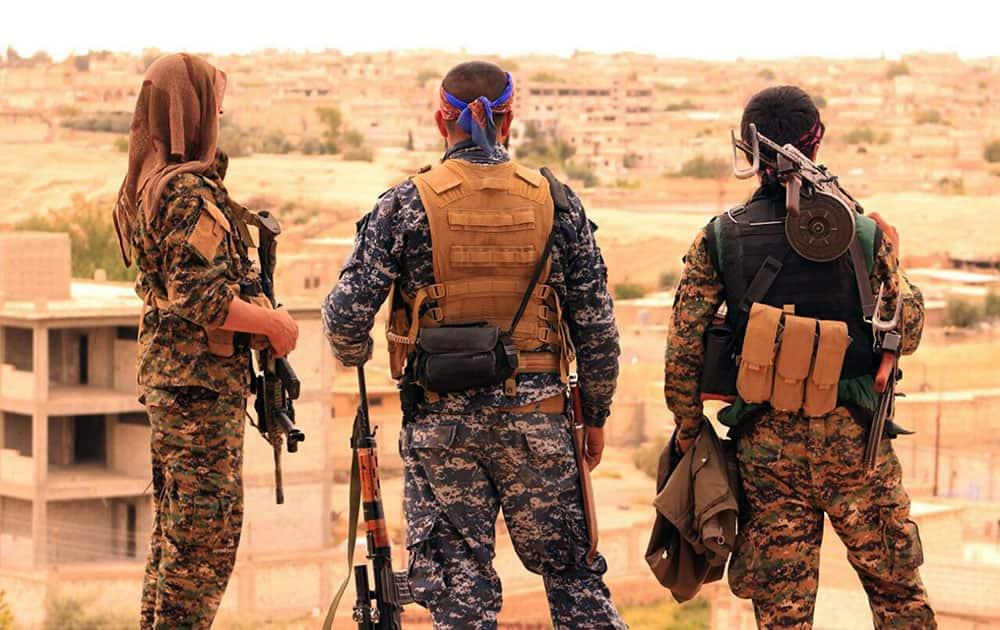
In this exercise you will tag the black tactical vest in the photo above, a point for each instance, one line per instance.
(820, 290)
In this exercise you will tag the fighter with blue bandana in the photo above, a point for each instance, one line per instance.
(458, 244)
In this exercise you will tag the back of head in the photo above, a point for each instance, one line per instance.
(477, 98)
(787, 115)
(473, 79)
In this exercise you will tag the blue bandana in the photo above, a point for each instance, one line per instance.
(476, 117)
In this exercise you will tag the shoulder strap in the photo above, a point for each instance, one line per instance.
(560, 201)
(862, 279)
(557, 189)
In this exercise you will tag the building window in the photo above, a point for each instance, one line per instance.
(18, 348)
(89, 439)
(127, 333)
(140, 419)
(17, 433)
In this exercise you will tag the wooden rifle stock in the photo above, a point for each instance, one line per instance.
(580, 448)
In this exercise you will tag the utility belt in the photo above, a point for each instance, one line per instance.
(450, 359)
(221, 343)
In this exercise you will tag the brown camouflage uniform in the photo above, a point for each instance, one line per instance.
(195, 401)
(796, 468)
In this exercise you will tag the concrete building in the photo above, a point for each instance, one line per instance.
(75, 504)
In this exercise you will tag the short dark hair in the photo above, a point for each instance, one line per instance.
(783, 113)
(472, 79)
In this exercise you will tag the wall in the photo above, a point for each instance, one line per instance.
(129, 452)
(124, 365)
(15, 534)
(80, 531)
(34, 266)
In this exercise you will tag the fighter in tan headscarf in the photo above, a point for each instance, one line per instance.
(175, 220)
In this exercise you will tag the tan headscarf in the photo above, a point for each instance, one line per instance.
(174, 130)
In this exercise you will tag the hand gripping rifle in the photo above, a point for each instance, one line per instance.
(377, 608)
(276, 385)
(889, 343)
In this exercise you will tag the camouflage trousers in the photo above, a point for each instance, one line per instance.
(460, 471)
(197, 450)
(794, 469)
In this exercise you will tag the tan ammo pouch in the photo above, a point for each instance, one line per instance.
(798, 340)
(821, 388)
(756, 374)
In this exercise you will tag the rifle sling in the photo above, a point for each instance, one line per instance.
(559, 201)
(352, 534)
(861, 276)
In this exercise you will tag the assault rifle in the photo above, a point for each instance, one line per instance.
(275, 386)
(377, 608)
(820, 222)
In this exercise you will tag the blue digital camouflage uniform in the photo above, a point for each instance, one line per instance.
(195, 401)
(465, 458)
(795, 468)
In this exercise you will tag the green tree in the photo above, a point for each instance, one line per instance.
(274, 141)
(686, 104)
(820, 101)
(234, 140)
(426, 75)
(41, 58)
(700, 167)
(539, 148)
(928, 117)
(583, 173)
(92, 236)
(991, 151)
(963, 314)
(6, 616)
(409, 140)
(546, 77)
(668, 279)
(333, 120)
(896, 69)
(82, 62)
(992, 305)
(121, 144)
(860, 135)
(628, 291)
(647, 456)
(70, 613)
(767, 74)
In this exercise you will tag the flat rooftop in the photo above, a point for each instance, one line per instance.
(105, 300)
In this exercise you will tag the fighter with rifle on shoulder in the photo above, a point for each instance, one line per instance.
(806, 355)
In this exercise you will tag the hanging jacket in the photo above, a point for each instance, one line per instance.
(697, 505)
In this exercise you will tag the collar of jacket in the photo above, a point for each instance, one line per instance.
(471, 152)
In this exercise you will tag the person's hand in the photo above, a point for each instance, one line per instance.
(284, 333)
(593, 445)
(890, 233)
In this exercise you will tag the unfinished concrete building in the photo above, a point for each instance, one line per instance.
(75, 483)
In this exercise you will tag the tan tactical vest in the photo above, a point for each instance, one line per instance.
(489, 225)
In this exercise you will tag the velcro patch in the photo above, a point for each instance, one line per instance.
(209, 231)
